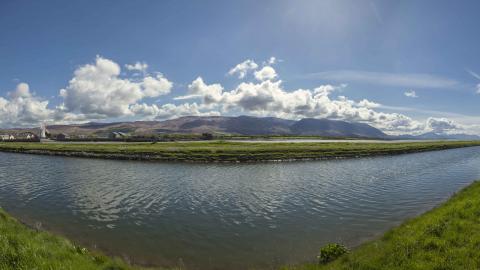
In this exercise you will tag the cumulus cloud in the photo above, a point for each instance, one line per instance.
(243, 68)
(441, 125)
(21, 107)
(411, 94)
(269, 98)
(368, 104)
(138, 66)
(100, 90)
(97, 90)
(266, 73)
(478, 88)
(209, 93)
(271, 61)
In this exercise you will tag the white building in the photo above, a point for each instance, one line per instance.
(6, 137)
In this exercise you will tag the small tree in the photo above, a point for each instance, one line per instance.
(207, 136)
(330, 252)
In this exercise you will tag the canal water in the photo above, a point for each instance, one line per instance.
(227, 216)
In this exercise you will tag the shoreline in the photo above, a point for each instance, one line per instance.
(231, 152)
(25, 247)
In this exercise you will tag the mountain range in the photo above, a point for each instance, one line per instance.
(239, 125)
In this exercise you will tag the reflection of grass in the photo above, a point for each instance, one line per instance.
(448, 237)
(24, 248)
(232, 151)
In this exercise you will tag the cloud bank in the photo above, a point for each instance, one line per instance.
(100, 90)
(21, 107)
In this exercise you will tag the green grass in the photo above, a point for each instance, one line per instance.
(447, 237)
(223, 151)
(25, 248)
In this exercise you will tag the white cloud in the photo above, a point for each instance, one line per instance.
(411, 94)
(266, 73)
(138, 66)
(271, 61)
(474, 74)
(156, 86)
(243, 68)
(98, 91)
(21, 107)
(368, 104)
(442, 125)
(384, 78)
(210, 93)
(169, 111)
(268, 98)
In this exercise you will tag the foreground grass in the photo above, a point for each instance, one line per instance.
(448, 237)
(221, 151)
(25, 248)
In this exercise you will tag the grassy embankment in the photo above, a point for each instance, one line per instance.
(25, 248)
(447, 237)
(220, 151)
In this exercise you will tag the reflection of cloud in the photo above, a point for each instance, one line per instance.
(245, 193)
(109, 191)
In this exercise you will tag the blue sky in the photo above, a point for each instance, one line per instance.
(379, 51)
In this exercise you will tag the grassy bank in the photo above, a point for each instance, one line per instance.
(447, 237)
(221, 151)
(25, 248)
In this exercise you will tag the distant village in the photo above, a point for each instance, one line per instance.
(23, 136)
(44, 135)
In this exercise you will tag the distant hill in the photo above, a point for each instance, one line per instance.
(241, 125)
(332, 128)
(439, 136)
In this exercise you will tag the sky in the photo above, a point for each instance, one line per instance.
(406, 67)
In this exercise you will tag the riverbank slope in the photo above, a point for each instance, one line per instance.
(447, 237)
(25, 248)
(224, 151)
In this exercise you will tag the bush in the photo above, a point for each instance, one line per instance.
(331, 252)
(207, 136)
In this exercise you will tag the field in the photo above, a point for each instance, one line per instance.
(447, 237)
(224, 151)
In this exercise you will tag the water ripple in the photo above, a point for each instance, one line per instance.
(228, 215)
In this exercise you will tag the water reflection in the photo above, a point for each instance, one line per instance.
(228, 216)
